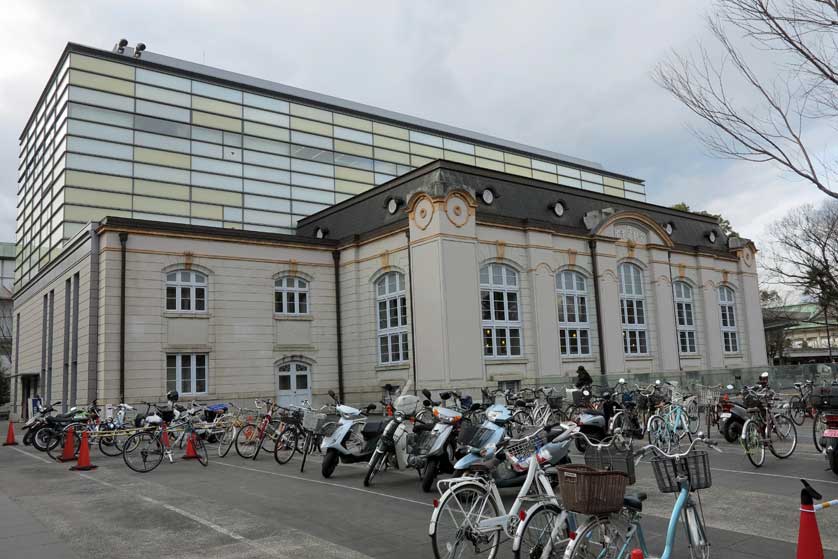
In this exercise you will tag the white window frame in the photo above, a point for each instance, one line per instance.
(296, 294)
(727, 319)
(194, 283)
(497, 332)
(682, 294)
(390, 296)
(633, 304)
(572, 302)
(193, 370)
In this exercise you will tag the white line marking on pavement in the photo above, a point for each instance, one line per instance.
(35, 456)
(772, 475)
(330, 484)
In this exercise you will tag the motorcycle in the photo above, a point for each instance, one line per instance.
(391, 448)
(37, 422)
(353, 439)
(827, 404)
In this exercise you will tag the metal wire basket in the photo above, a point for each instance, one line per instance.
(313, 421)
(613, 460)
(555, 402)
(519, 451)
(708, 395)
(589, 491)
(695, 467)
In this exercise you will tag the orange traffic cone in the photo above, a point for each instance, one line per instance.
(809, 544)
(190, 449)
(165, 437)
(84, 464)
(10, 434)
(636, 554)
(68, 454)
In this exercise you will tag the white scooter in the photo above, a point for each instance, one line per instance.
(353, 440)
(391, 449)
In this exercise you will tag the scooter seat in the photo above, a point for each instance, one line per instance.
(593, 412)
(374, 427)
(635, 501)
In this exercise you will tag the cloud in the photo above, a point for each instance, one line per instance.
(571, 77)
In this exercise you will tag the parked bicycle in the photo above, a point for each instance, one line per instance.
(767, 429)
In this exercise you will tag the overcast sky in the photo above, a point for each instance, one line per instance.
(569, 76)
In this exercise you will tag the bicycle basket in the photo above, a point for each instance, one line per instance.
(824, 398)
(612, 459)
(695, 466)
(555, 402)
(579, 398)
(589, 491)
(313, 421)
(518, 452)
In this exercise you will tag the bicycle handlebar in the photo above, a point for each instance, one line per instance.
(652, 448)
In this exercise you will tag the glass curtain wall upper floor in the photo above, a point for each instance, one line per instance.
(111, 138)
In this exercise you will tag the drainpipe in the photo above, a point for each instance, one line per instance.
(675, 311)
(597, 305)
(123, 241)
(336, 260)
(412, 328)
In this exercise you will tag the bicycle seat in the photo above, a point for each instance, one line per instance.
(634, 501)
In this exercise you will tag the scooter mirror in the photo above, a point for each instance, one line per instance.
(426, 403)
(475, 406)
(331, 393)
(370, 407)
(427, 393)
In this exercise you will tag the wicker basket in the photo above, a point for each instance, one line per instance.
(695, 466)
(586, 490)
(313, 421)
(612, 459)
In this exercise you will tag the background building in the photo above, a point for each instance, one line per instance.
(186, 228)
(798, 334)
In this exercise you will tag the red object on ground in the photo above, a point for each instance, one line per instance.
(808, 536)
(68, 453)
(83, 464)
(636, 554)
(165, 437)
(10, 435)
(190, 449)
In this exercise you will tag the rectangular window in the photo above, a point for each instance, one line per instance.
(186, 372)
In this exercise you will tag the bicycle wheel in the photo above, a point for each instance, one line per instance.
(143, 451)
(226, 440)
(752, 442)
(696, 536)
(521, 420)
(782, 437)
(454, 527)
(693, 419)
(818, 427)
(286, 444)
(201, 451)
(596, 539)
(797, 410)
(247, 441)
(659, 434)
(534, 537)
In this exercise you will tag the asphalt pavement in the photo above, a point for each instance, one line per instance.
(253, 509)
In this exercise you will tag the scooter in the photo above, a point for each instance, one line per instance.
(827, 398)
(594, 423)
(37, 422)
(391, 449)
(732, 418)
(482, 451)
(432, 451)
(353, 440)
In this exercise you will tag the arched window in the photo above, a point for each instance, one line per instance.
(291, 296)
(727, 308)
(499, 311)
(186, 291)
(574, 330)
(392, 319)
(633, 309)
(683, 294)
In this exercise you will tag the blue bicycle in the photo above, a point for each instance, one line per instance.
(614, 536)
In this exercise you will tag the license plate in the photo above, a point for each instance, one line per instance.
(725, 415)
(832, 433)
